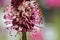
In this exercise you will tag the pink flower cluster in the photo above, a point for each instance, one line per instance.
(25, 18)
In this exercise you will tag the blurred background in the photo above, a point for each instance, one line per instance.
(51, 14)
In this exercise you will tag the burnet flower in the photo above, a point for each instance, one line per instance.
(23, 17)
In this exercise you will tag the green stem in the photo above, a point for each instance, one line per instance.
(24, 36)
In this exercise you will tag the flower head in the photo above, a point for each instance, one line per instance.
(24, 17)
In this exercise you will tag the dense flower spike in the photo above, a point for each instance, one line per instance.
(23, 16)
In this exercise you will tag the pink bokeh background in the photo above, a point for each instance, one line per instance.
(53, 3)
(1, 3)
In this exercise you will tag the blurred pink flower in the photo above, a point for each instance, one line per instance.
(1, 3)
(37, 35)
(53, 3)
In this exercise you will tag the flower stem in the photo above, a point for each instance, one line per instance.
(24, 36)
